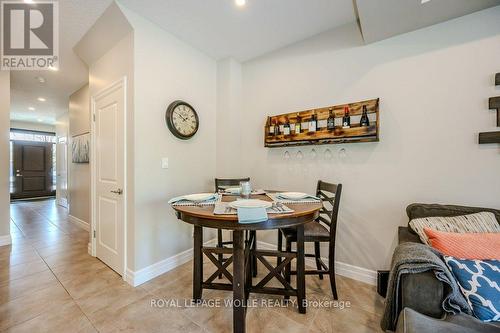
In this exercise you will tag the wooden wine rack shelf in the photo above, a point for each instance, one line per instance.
(494, 104)
(324, 136)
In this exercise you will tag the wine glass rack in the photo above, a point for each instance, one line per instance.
(323, 135)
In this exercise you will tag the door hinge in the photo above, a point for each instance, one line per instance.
(94, 233)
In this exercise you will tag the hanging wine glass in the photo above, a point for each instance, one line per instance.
(328, 154)
(299, 155)
(313, 154)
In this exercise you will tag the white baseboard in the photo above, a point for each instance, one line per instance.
(5, 240)
(150, 272)
(80, 223)
(353, 272)
(62, 202)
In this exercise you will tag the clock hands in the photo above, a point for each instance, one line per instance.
(183, 119)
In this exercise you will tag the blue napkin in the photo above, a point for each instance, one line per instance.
(252, 215)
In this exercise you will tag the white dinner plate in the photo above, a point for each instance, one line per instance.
(199, 196)
(293, 195)
(250, 203)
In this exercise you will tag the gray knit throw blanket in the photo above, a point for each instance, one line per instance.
(412, 258)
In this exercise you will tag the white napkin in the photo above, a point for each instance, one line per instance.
(182, 198)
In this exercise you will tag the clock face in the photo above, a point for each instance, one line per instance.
(182, 120)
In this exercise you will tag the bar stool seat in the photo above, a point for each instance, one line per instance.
(313, 231)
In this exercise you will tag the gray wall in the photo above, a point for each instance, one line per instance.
(79, 173)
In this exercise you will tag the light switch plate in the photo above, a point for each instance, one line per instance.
(164, 163)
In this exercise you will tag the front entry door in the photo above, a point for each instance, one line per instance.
(108, 108)
(32, 169)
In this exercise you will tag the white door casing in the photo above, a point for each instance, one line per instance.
(108, 176)
(62, 171)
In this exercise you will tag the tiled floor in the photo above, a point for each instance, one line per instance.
(48, 283)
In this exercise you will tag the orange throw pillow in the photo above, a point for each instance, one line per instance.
(465, 246)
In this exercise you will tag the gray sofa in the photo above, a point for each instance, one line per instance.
(422, 292)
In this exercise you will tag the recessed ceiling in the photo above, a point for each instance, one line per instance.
(75, 18)
(222, 29)
(381, 19)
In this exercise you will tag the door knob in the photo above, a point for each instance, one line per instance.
(18, 175)
(118, 191)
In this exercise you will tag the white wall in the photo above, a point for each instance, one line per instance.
(79, 173)
(434, 86)
(4, 157)
(165, 70)
(229, 111)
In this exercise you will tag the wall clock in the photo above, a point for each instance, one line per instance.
(182, 120)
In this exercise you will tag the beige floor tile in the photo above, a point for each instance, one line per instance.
(25, 286)
(68, 257)
(104, 303)
(265, 320)
(89, 283)
(67, 319)
(19, 258)
(86, 268)
(21, 270)
(347, 320)
(141, 317)
(29, 306)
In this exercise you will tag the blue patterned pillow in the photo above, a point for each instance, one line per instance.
(479, 281)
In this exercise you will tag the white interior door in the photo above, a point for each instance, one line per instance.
(109, 169)
(62, 171)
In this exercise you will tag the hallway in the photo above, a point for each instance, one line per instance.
(48, 283)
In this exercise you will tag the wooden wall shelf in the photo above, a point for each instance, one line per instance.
(324, 136)
(494, 104)
(489, 137)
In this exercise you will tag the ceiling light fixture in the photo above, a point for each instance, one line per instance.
(240, 3)
(31, 108)
(41, 99)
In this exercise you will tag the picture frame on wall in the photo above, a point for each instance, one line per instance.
(80, 148)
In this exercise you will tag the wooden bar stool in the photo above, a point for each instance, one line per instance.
(322, 230)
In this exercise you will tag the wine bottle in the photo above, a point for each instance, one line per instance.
(330, 124)
(313, 123)
(346, 120)
(286, 127)
(365, 122)
(276, 128)
(298, 124)
(270, 126)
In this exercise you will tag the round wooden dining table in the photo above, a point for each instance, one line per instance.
(244, 251)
